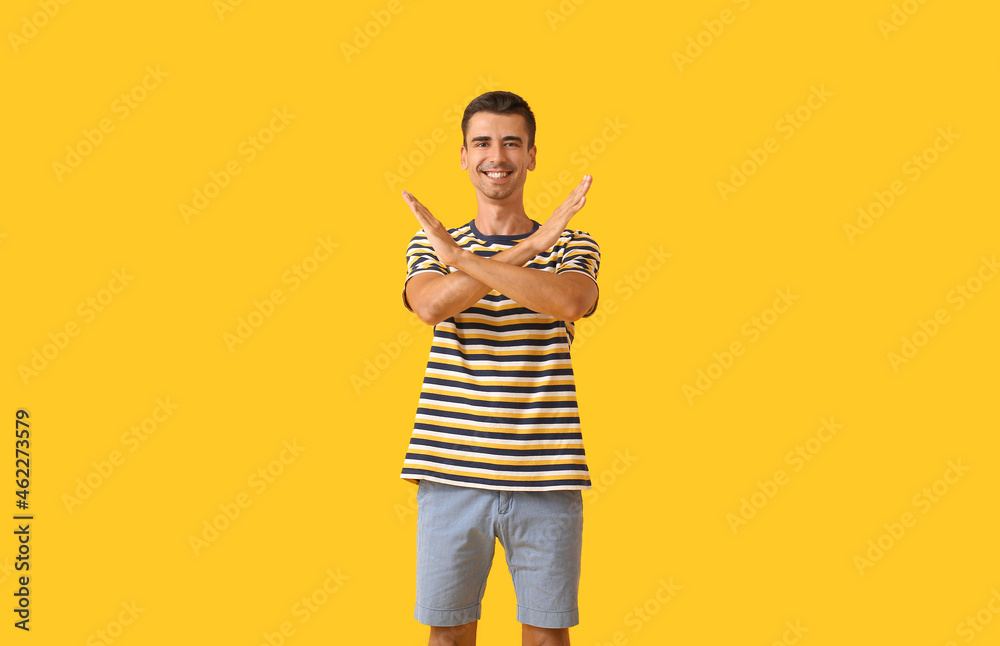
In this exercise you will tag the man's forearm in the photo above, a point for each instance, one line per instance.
(564, 297)
(446, 296)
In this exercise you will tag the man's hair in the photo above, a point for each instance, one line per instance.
(500, 102)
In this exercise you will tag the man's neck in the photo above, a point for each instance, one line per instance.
(503, 219)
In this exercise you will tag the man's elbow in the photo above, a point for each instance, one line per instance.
(428, 314)
(429, 311)
(425, 307)
(580, 304)
(576, 310)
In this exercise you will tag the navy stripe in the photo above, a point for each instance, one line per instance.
(494, 435)
(525, 468)
(517, 326)
(513, 311)
(503, 389)
(541, 266)
(423, 441)
(525, 484)
(495, 403)
(497, 343)
(494, 372)
(487, 356)
(498, 419)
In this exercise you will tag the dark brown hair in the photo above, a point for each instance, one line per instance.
(500, 102)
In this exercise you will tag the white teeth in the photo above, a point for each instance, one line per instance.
(497, 175)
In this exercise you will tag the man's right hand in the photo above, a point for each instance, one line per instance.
(548, 234)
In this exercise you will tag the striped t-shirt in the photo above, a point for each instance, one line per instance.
(497, 407)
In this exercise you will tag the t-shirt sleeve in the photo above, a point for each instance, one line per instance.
(583, 255)
(420, 259)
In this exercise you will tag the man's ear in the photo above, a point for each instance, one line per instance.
(465, 160)
(531, 157)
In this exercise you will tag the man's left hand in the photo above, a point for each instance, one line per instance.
(445, 247)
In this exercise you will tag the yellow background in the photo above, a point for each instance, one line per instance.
(337, 364)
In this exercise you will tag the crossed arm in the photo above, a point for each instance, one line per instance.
(566, 296)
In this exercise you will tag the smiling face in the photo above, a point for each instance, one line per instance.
(497, 156)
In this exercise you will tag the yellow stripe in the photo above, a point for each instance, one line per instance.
(496, 352)
(507, 397)
(519, 477)
(534, 413)
(486, 444)
(495, 459)
(562, 380)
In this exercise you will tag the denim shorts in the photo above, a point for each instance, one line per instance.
(542, 536)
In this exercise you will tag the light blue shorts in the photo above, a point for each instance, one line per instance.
(541, 533)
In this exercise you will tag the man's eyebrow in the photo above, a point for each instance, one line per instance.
(505, 138)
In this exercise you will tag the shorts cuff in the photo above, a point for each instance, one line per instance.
(435, 617)
(543, 619)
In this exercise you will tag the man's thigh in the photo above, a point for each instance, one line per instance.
(542, 536)
(455, 548)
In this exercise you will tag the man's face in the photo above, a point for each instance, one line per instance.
(497, 155)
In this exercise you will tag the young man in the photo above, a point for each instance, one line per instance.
(496, 449)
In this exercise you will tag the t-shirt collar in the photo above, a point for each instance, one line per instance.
(501, 238)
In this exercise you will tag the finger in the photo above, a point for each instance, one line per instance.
(574, 202)
(420, 214)
(415, 212)
(418, 209)
(416, 205)
(579, 191)
(410, 202)
(584, 184)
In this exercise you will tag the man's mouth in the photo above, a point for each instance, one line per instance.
(496, 174)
